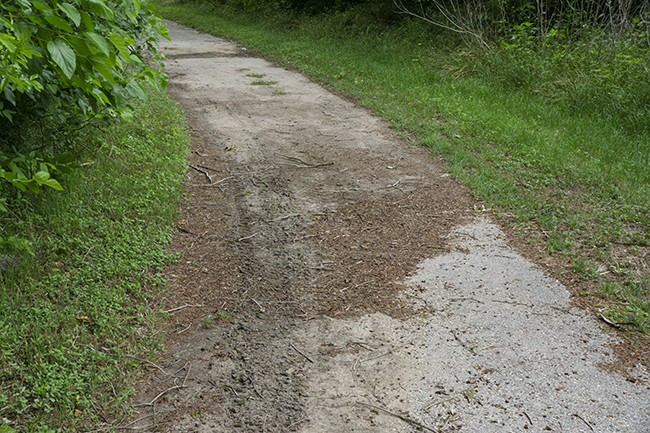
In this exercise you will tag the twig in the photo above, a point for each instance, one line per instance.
(223, 180)
(306, 164)
(296, 423)
(86, 255)
(169, 389)
(363, 345)
(403, 418)
(206, 167)
(358, 285)
(378, 356)
(215, 183)
(529, 420)
(161, 394)
(324, 164)
(438, 402)
(466, 299)
(184, 306)
(148, 362)
(393, 185)
(584, 421)
(609, 322)
(306, 357)
(125, 426)
(513, 303)
(462, 343)
(188, 327)
(248, 237)
(258, 304)
(202, 171)
(283, 218)
(304, 237)
(147, 427)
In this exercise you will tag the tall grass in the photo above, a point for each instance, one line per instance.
(81, 296)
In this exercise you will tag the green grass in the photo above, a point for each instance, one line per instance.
(565, 157)
(262, 83)
(84, 297)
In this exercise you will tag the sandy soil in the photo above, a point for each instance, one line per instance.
(333, 277)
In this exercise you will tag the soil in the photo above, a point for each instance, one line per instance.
(302, 281)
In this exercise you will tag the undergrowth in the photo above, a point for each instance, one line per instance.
(79, 299)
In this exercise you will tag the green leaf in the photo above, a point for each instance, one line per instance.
(41, 177)
(127, 116)
(100, 41)
(7, 41)
(32, 186)
(120, 44)
(9, 95)
(41, 6)
(80, 46)
(102, 65)
(63, 56)
(59, 22)
(101, 9)
(71, 13)
(132, 16)
(135, 90)
(52, 183)
(88, 22)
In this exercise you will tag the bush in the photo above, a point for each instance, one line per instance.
(65, 66)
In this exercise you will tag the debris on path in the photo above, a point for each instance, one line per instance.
(334, 278)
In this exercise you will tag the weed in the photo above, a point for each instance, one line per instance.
(252, 75)
(223, 314)
(557, 243)
(579, 266)
(208, 321)
(262, 83)
(608, 289)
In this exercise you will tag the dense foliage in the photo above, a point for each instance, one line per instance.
(65, 65)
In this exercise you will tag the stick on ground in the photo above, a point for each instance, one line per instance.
(403, 418)
(306, 357)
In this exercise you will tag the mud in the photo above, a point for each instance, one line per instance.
(332, 277)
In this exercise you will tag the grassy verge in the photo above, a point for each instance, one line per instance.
(572, 174)
(78, 303)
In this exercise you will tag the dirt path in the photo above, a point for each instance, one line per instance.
(334, 278)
